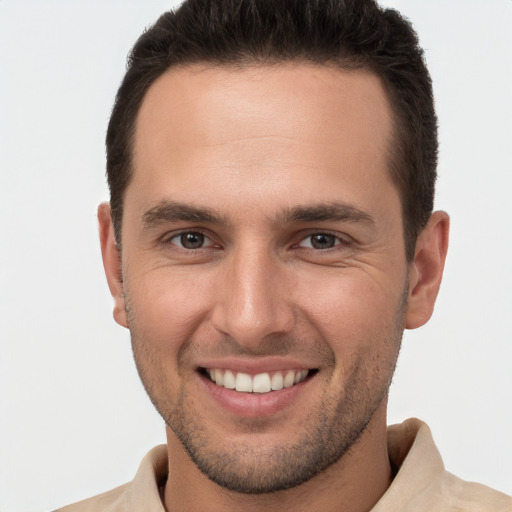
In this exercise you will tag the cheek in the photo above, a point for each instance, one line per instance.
(167, 306)
(351, 309)
(362, 322)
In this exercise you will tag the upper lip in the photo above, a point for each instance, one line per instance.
(256, 365)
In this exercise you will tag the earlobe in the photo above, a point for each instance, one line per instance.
(426, 270)
(112, 263)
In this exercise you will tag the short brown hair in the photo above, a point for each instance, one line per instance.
(349, 34)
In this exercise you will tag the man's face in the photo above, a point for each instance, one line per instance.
(262, 236)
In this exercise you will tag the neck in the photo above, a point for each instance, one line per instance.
(353, 484)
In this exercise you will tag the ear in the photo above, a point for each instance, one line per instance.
(112, 263)
(426, 270)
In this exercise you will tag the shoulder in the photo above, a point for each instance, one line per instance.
(457, 494)
(422, 483)
(142, 493)
(111, 501)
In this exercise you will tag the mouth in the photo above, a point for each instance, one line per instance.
(260, 383)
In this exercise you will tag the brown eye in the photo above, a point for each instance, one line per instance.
(320, 241)
(190, 240)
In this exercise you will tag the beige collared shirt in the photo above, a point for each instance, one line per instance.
(421, 484)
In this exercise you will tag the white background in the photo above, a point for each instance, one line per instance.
(74, 419)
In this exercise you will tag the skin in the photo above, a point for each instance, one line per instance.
(266, 152)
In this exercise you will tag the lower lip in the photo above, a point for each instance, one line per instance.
(253, 405)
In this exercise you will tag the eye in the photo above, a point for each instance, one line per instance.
(320, 241)
(190, 240)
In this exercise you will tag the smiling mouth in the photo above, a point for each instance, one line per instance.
(260, 383)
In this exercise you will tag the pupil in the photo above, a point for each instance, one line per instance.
(192, 240)
(322, 241)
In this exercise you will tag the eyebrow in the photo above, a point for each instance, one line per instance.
(336, 212)
(173, 211)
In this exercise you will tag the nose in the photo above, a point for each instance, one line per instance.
(254, 301)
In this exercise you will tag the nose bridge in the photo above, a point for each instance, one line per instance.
(254, 302)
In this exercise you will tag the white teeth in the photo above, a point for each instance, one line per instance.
(277, 381)
(219, 377)
(289, 379)
(243, 382)
(261, 383)
(300, 376)
(229, 380)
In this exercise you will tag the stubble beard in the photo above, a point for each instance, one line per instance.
(329, 432)
(251, 469)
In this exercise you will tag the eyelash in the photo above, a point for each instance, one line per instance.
(169, 240)
(338, 240)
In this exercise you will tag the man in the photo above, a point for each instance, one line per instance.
(270, 234)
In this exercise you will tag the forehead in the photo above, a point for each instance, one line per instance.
(298, 127)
